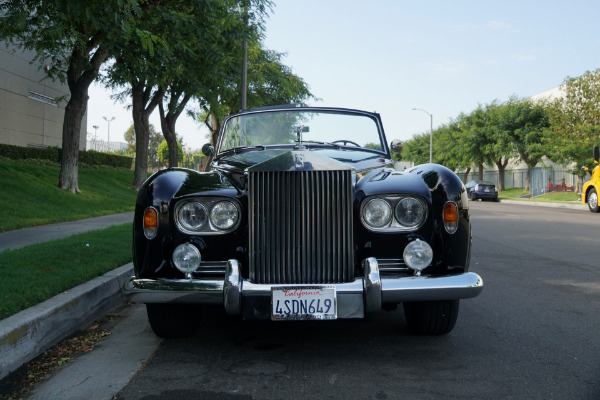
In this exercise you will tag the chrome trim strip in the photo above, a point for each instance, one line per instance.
(254, 289)
(422, 288)
(174, 290)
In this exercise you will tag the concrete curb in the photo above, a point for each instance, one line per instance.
(30, 332)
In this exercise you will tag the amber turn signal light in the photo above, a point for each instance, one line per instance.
(150, 222)
(451, 217)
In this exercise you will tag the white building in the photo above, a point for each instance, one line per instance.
(30, 114)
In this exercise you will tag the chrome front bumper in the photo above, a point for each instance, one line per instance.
(365, 294)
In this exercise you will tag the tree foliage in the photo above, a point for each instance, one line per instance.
(575, 119)
(155, 137)
(163, 152)
(490, 134)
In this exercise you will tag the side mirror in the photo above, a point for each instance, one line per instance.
(596, 156)
(396, 145)
(208, 150)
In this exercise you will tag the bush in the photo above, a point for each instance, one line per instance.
(88, 158)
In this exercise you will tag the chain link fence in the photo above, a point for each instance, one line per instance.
(543, 180)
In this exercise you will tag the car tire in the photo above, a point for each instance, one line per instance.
(431, 317)
(592, 200)
(173, 320)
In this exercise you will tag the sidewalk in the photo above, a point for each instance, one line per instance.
(44, 233)
(30, 332)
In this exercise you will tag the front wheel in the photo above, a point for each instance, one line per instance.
(593, 200)
(431, 317)
(173, 320)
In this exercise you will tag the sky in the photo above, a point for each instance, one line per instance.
(444, 57)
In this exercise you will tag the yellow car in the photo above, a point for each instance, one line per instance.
(592, 187)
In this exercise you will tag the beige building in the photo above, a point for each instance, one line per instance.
(30, 114)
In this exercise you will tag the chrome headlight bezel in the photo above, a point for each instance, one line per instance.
(208, 228)
(396, 222)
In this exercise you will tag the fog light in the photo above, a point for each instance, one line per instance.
(186, 258)
(418, 255)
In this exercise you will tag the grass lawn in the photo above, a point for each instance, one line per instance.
(30, 275)
(31, 196)
(553, 197)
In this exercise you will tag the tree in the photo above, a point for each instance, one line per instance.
(575, 120)
(76, 37)
(417, 149)
(525, 123)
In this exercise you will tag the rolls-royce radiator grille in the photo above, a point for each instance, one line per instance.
(301, 229)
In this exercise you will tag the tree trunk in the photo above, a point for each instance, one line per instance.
(530, 166)
(140, 95)
(168, 121)
(69, 163)
(467, 174)
(79, 80)
(167, 125)
(480, 171)
(501, 168)
(215, 127)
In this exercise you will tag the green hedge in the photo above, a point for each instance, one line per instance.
(89, 158)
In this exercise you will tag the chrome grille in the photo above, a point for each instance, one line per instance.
(301, 227)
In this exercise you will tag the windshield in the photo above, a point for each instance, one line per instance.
(284, 127)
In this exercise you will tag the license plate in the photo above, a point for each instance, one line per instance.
(302, 303)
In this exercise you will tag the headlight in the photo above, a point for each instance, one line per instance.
(186, 258)
(418, 255)
(192, 216)
(207, 215)
(377, 213)
(410, 212)
(224, 215)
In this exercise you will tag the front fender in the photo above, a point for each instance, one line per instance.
(437, 185)
(159, 191)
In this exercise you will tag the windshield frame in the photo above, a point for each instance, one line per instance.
(332, 110)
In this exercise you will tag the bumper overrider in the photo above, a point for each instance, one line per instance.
(366, 294)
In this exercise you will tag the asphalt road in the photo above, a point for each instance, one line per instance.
(533, 333)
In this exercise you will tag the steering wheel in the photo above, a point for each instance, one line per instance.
(345, 142)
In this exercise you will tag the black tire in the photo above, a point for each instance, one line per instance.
(431, 317)
(173, 320)
(592, 200)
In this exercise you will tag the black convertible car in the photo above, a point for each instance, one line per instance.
(302, 217)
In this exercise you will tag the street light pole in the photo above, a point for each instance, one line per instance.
(430, 133)
(108, 120)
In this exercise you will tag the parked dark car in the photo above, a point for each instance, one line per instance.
(483, 190)
(302, 217)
